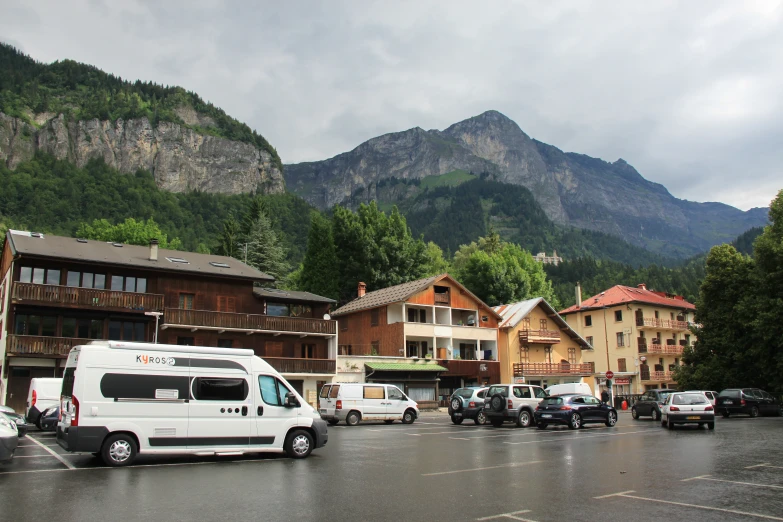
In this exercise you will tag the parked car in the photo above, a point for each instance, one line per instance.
(9, 439)
(19, 420)
(574, 411)
(48, 419)
(712, 396)
(750, 401)
(468, 403)
(355, 402)
(44, 392)
(651, 404)
(688, 408)
(512, 402)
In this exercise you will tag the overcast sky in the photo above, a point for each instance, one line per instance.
(690, 93)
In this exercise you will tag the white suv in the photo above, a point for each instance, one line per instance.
(512, 402)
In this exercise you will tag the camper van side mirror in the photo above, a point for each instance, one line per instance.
(291, 401)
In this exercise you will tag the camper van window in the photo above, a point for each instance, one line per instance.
(68, 377)
(220, 389)
(272, 391)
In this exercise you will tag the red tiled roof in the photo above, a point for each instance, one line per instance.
(626, 294)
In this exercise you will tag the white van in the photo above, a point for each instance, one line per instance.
(355, 402)
(571, 387)
(44, 393)
(120, 399)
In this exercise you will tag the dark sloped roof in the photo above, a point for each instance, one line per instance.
(384, 296)
(291, 295)
(99, 252)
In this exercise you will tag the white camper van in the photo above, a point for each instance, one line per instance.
(44, 393)
(354, 402)
(572, 387)
(120, 399)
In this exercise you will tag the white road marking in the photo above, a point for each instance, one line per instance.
(624, 494)
(764, 465)
(511, 515)
(709, 477)
(511, 465)
(31, 456)
(581, 437)
(55, 455)
(459, 438)
(73, 468)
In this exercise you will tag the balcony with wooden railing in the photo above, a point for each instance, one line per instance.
(76, 297)
(442, 299)
(38, 346)
(660, 376)
(663, 324)
(539, 336)
(209, 320)
(668, 349)
(529, 369)
(289, 365)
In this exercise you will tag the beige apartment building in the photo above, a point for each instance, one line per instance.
(636, 333)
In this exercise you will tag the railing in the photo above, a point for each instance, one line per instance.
(656, 376)
(669, 324)
(88, 297)
(671, 349)
(33, 345)
(539, 336)
(286, 365)
(196, 318)
(442, 299)
(525, 369)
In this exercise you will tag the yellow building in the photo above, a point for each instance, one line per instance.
(638, 334)
(537, 346)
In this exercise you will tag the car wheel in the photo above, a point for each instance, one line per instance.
(480, 419)
(780, 412)
(496, 422)
(670, 425)
(333, 422)
(408, 417)
(710, 425)
(389, 421)
(541, 425)
(575, 421)
(523, 419)
(611, 419)
(754, 411)
(725, 414)
(119, 450)
(497, 403)
(456, 420)
(353, 418)
(298, 444)
(634, 413)
(456, 404)
(656, 414)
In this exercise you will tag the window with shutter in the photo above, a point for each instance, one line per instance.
(226, 303)
(273, 349)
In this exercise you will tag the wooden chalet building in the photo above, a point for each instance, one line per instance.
(429, 337)
(58, 292)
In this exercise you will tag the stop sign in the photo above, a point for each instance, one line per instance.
(609, 374)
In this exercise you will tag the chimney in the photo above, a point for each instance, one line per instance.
(641, 286)
(153, 249)
(362, 289)
(578, 294)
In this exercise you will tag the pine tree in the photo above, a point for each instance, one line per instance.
(264, 251)
(319, 268)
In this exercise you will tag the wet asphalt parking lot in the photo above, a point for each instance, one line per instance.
(430, 470)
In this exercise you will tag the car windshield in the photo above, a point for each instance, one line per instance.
(502, 390)
(465, 393)
(552, 401)
(689, 399)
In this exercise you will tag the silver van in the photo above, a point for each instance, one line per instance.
(355, 402)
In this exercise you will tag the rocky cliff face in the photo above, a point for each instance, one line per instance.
(179, 158)
(572, 189)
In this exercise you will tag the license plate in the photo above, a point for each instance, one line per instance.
(693, 417)
(547, 416)
(458, 415)
(728, 402)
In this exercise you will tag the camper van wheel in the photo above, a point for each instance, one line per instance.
(353, 418)
(119, 450)
(408, 417)
(298, 444)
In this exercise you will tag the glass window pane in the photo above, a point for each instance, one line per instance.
(26, 275)
(141, 285)
(96, 329)
(116, 283)
(139, 334)
(34, 325)
(269, 390)
(38, 276)
(100, 281)
(277, 309)
(21, 325)
(127, 331)
(49, 326)
(115, 331)
(130, 284)
(83, 329)
(69, 327)
(283, 391)
(73, 278)
(220, 389)
(52, 277)
(87, 279)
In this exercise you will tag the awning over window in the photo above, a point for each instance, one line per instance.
(406, 367)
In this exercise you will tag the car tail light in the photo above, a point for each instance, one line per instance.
(565, 408)
(339, 405)
(674, 408)
(708, 408)
(742, 402)
(510, 404)
(538, 408)
(35, 398)
(471, 404)
(75, 418)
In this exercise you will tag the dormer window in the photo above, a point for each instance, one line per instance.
(178, 260)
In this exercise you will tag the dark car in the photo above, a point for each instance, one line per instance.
(19, 420)
(651, 404)
(467, 403)
(48, 419)
(750, 401)
(574, 411)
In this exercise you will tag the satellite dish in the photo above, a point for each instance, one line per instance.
(327, 317)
